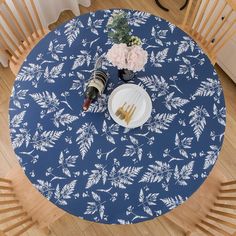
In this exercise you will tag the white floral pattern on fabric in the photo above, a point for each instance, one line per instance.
(87, 164)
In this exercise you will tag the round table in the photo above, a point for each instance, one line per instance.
(84, 162)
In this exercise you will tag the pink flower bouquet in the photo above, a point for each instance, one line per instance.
(131, 58)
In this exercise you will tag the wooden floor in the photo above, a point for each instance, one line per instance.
(72, 226)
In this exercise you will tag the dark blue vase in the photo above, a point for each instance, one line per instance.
(126, 75)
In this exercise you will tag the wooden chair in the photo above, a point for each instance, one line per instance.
(211, 23)
(22, 206)
(21, 31)
(220, 217)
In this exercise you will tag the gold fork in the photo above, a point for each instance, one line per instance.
(126, 113)
(130, 114)
(120, 111)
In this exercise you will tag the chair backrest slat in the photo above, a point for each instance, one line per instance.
(233, 190)
(10, 209)
(228, 206)
(201, 16)
(203, 230)
(7, 195)
(26, 25)
(37, 17)
(16, 225)
(9, 39)
(213, 23)
(1, 186)
(194, 14)
(214, 33)
(222, 45)
(229, 183)
(187, 13)
(222, 213)
(21, 27)
(10, 27)
(210, 22)
(226, 198)
(7, 202)
(9, 49)
(30, 17)
(4, 180)
(216, 228)
(223, 33)
(20, 232)
(223, 222)
(13, 217)
(208, 17)
(17, 25)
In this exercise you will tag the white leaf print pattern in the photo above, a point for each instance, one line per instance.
(17, 119)
(156, 84)
(209, 88)
(160, 122)
(220, 114)
(159, 58)
(187, 68)
(174, 102)
(159, 35)
(27, 73)
(45, 100)
(67, 163)
(18, 96)
(100, 105)
(136, 148)
(85, 57)
(211, 156)
(156, 173)
(95, 25)
(85, 138)
(45, 188)
(61, 195)
(146, 201)
(138, 18)
(53, 73)
(72, 30)
(63, 119)
(185, 45)
(110, 131)
(56, 49)
(172, 27)
(99, 174)
(20, 138)
(96, 206)
(173, 202)
(124, 176)
(45, 140)
(184, 174)
(198, 120)
(183, 144)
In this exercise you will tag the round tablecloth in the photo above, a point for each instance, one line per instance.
(84, 162)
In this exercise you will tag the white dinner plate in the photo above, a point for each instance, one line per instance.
(131, 94)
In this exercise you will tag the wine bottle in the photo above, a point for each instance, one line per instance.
(95, 87)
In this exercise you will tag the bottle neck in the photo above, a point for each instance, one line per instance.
(86, 104)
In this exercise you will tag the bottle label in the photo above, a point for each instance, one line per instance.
(98, 84)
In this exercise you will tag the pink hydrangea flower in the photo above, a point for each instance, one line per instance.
(137, 58)
(123, 57)
(117, 55)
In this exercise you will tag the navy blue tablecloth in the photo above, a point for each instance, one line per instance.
(84, 162)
